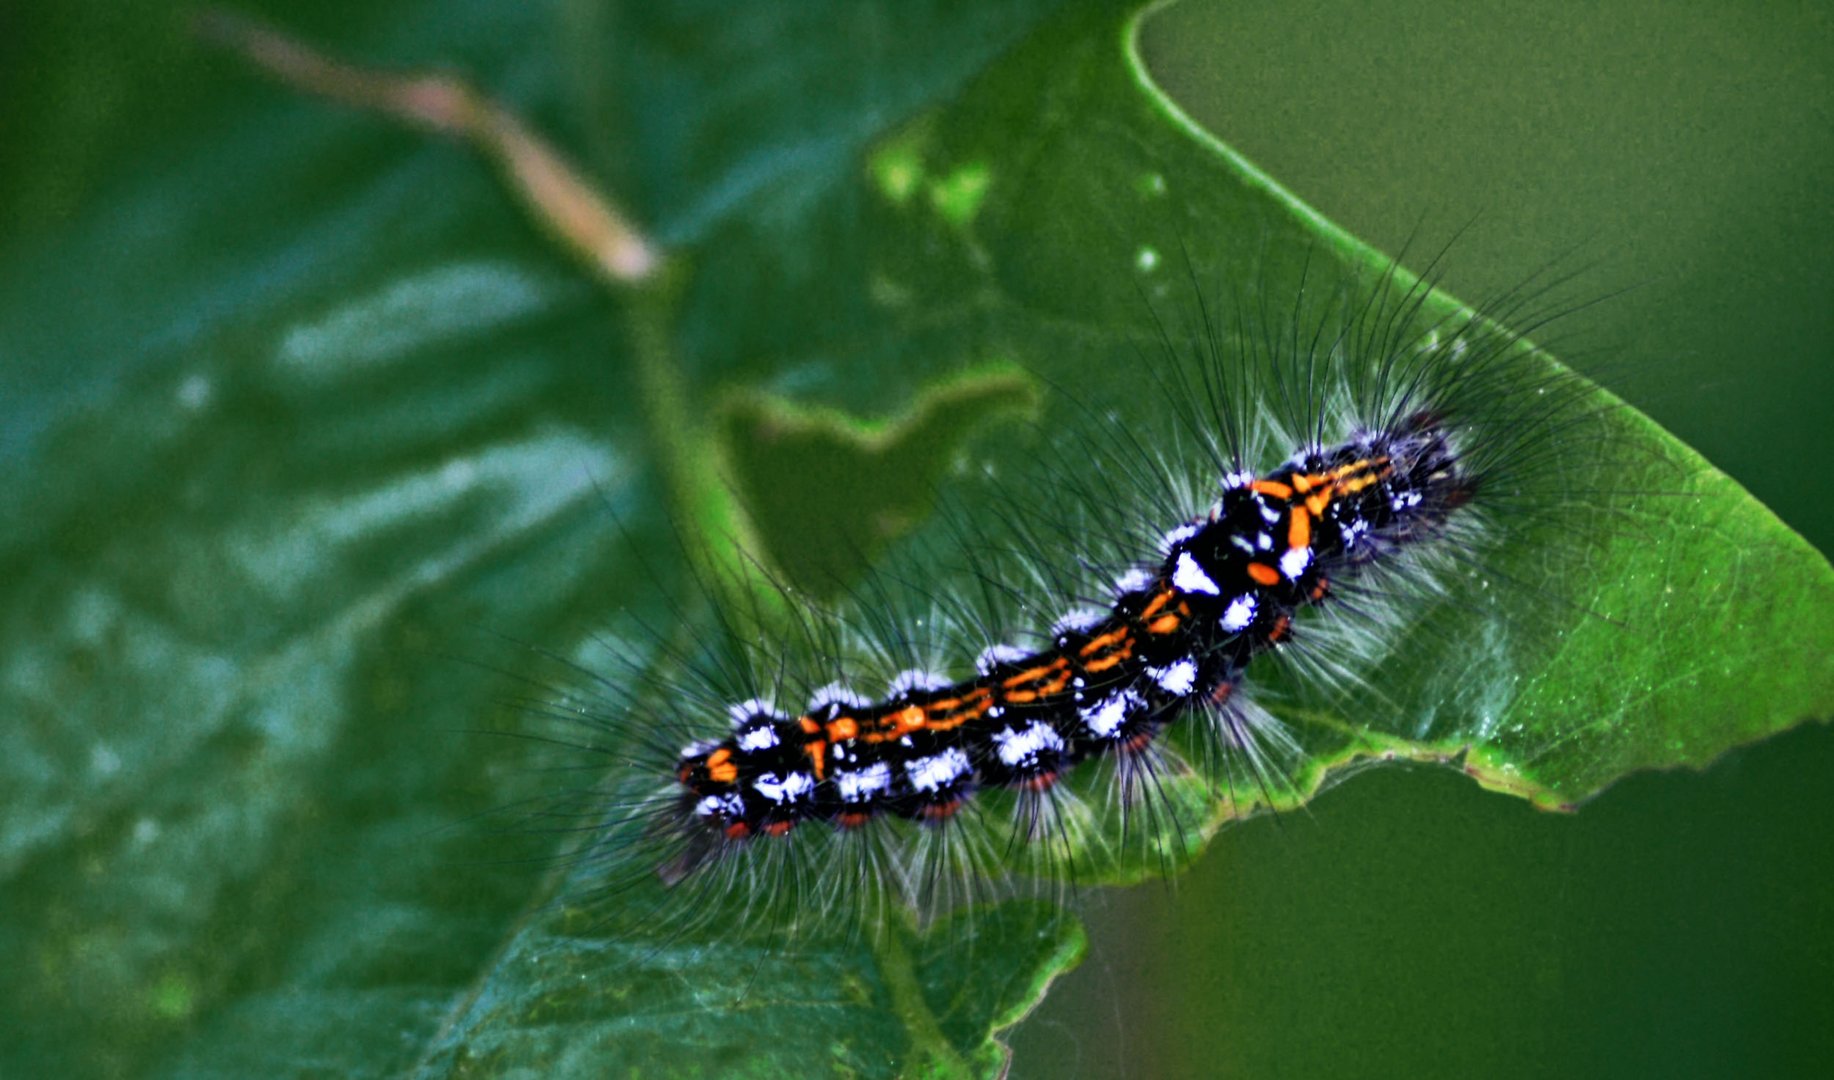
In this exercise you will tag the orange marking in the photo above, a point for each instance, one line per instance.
(721, 768)
(1317, 504)
(1277, 632)
(817, 752)
(954, 712)
(1221, 693)
(1096, 645)
(842, 728)
(1321, 590)
(809, 726)
(1273, 489)
(1299, 530)
(778, 828)
(1303, 483)
(1114, 646)
(852, 819)
(1029, 675)
(1263, 574)
(1375, 474)
(1033, 683)
(938, 716)
(1154, 605)
(1167, 623)
(738, 830)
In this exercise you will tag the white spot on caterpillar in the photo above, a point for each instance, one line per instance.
(790, 788)
(1080, 621)
(1269, 514)
(914, 680)
(1264, 542)
(938, 770)
(1237, 479)
(1176, 678)
(836, 694)
(1240, 612)
(1177, 536)
(746, 711)
(862, 784)
(995, 655)
(1189, 577)
(700, 748)
(1023, 746)
(1105, 716)
(1132, 581)
(762, 737)
(728, 805)
(1294, 561)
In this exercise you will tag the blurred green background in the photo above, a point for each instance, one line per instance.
(1410, 924)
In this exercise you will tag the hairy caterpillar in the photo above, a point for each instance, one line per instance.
(1081, 703)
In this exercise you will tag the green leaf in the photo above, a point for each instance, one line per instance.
(294, 399)
(569, 998)
(865, 483)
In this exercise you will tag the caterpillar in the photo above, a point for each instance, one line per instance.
(1174, 639)
(1324, 486)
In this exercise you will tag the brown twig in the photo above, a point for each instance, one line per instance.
(551, 189)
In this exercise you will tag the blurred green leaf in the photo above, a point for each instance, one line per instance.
(294, 398)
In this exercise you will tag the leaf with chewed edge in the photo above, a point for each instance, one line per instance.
(253, 498)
